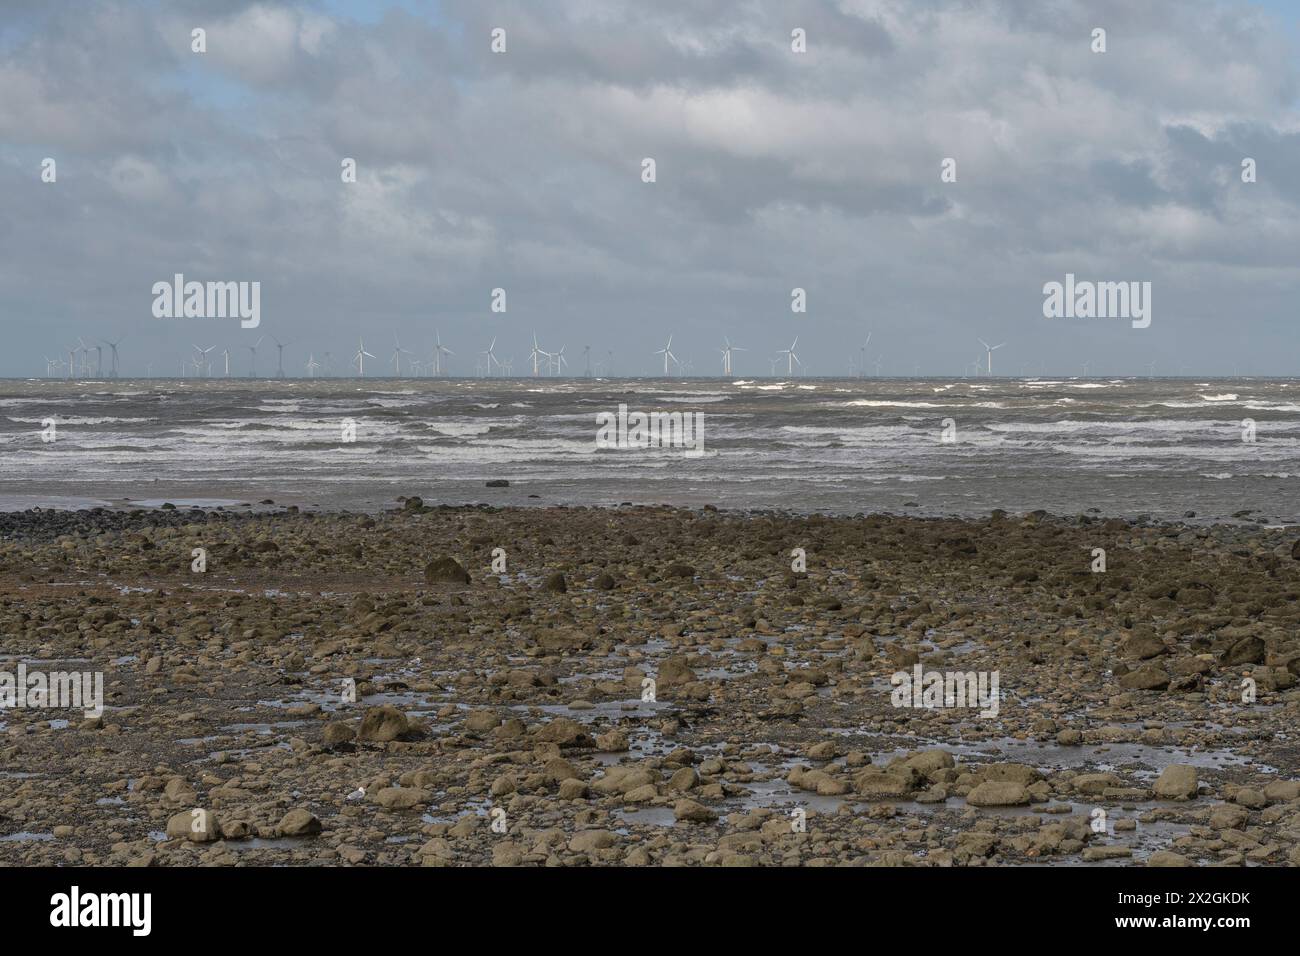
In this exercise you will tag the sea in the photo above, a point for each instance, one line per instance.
(1193, 449)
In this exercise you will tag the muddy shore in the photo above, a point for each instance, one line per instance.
(648, 686)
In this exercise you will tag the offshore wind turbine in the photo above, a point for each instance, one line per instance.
(726, 355)
(113, 359)
(252, 356)
(862, 352)
(536, 353)
(280, 346)
(439, 350)
(362, 355)
(790, 357)
(491, 355)
(989, 349)
(204, 363)
(667, 353)
(225, 354)
(312, 365)
(397, 355)
(559, 360)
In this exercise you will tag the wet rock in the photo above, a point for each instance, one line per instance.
(998, 793)
(1177, 782)
(445, 570)
(382, 724)
(1228, 816)
(1143, 646)
(876, 783)
(615, 741)
(684, 779)
(572, 789)
(482, 721)
(589, 841)
(689, 811)
(565, 732)
(197, 826)
(1249, 650)
(401, 798)
(674, 671)
(299, 822)
(337, 734)
(1283, 791)
(1146, 678)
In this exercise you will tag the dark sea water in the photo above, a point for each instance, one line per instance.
(1161, 447)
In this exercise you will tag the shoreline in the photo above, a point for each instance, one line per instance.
(1249, 518)
(523, 691)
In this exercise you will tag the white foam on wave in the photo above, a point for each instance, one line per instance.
(80, 420)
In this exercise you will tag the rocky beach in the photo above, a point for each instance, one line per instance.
(561, 686)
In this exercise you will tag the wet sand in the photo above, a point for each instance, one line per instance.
(648, 686)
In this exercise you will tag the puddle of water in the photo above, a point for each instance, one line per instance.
(259, 843)
(262, 728)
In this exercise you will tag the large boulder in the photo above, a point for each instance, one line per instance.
(998, 793)
(1177, 782)
(382, 724)
(299, 822)
(197, 826)
(445, 570)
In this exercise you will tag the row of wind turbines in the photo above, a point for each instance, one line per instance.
(83, 368)
(200, 364)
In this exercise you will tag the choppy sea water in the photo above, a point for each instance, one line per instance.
(1161, 447)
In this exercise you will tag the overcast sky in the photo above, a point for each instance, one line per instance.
(775, 170)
